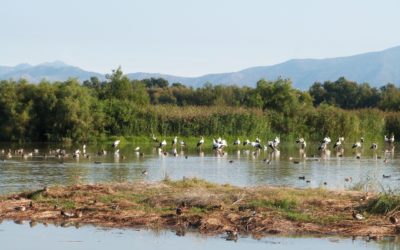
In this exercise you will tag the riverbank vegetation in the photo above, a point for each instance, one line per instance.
(193, 204)
(61, 111)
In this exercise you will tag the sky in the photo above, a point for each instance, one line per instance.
(191, 38)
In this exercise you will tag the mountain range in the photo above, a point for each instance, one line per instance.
(376, 68)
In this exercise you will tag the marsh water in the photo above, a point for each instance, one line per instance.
(22, 236)
(238, 166)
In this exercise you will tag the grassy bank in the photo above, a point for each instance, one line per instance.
(206, 207)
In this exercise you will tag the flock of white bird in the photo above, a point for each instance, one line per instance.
(218, 145)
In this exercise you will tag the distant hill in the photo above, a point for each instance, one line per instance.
(376, 68)
(52, 71)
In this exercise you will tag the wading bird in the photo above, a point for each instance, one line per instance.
(154, 138)
(175, 141)
(163, 143)
(302, 143)
(116, 143)
(274, 144)
(389, 140)
(338, 144)
(200, 142)
(357, 145)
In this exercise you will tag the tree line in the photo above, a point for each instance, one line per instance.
(58, 111)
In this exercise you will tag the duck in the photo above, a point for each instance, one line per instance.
(357, 216)
(393, 220)
(232, 234)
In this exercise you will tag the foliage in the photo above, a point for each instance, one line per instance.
(119, 106)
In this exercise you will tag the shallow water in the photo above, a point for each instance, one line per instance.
(246, 169)
(20, 237)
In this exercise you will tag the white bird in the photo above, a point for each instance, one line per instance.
(175, 140)
(258, 140)
(326, 140)
(223, 143)
(357, 145)
(256, 144)
(323, 146)
(154, 138)
(246, 142)
(274, 144)
(200, 142)
(219, 144)
(389, 140)
(374, 146)
(182, 143)
(137, 149)
(237, 142)
(76, 153)
(163, 143)
(338, 143)
(302, 143)
(116, 143)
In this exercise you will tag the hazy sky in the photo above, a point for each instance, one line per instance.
(189, 38)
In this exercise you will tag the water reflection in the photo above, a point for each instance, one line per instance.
(238, 165)
(23, 235)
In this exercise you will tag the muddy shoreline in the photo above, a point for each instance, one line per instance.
(204, 207)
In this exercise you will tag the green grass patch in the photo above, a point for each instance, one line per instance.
(197, 210)
(298, 216)
(189, 183)
(284, 204)
(383, 204)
